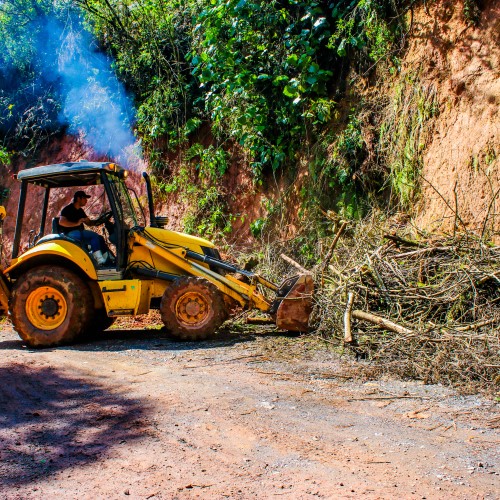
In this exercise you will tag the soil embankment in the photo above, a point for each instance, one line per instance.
(461, 165)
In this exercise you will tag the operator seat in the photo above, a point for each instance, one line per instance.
(57, 233)
(57, 229)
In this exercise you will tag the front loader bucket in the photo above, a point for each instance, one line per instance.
(295, 304)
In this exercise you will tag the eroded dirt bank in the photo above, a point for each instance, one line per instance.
(138, 415)
(461, 63)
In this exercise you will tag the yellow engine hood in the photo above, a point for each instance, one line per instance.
(178, 239)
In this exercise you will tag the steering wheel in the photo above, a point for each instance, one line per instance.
(103, 218)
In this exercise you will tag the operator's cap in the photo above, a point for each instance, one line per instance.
(80, 194)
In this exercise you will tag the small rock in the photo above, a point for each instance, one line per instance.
(267, 405)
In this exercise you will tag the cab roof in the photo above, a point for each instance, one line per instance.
(82, 173)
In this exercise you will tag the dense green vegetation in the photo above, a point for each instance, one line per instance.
(265, 74)
(28, 101)
(269, 77)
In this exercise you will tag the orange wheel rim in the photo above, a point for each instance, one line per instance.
(192, 308)
(46, 308)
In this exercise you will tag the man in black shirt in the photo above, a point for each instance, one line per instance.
(72, 221)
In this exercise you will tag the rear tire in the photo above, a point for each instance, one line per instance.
(192, 309)
(50, 306)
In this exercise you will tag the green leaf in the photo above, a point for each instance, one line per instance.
(192, 124)
(280, 79)
(292, 59)
(291, 91)
(341, 51)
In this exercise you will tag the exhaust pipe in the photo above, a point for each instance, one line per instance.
(152, 218)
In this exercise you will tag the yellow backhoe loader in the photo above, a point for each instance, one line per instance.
(55, 291)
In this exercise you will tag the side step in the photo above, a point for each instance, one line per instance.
(109, 274)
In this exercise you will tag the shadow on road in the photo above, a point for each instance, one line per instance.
(51, 422)
(154, 339)
(117, 340)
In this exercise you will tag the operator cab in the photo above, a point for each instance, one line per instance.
(118, 205)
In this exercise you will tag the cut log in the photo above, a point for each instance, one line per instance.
(347, 318)
(294, 264)
(380, 321)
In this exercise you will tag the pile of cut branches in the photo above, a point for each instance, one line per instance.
(427, 309)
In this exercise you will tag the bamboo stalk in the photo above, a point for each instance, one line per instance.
(401, 241)
(329, 255)
(334, 244)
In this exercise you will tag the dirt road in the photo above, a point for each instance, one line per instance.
(137, 415)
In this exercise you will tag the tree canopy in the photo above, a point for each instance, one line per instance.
(265, 74)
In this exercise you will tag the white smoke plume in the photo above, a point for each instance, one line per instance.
(95, 104)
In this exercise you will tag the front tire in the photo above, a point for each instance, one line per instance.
(192, 308)
(50, 306)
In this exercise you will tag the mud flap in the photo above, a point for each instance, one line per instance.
(295, 307)
(4, 296)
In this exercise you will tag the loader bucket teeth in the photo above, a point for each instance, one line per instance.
(296, 306)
